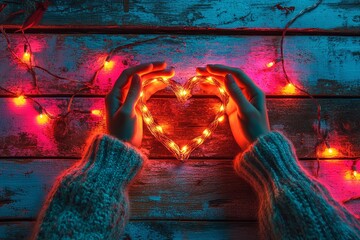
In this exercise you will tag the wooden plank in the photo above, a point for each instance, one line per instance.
(205, 190)
(21, 135)
(157, 230)
(325, 65)
(194, 13)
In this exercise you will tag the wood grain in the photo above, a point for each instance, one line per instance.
(324, 65)
(194, 13)
(157, 230)
(166, 189)
(20, 135)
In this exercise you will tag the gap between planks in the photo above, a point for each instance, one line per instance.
(147, 30)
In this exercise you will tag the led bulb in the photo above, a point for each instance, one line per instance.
(42, 119)
(330, 152)
(209, 80)
(172, 144)
(199, 140)
(222, 108)
(221, 90)
(355, 173)
(221, 118)
(184, 149)
(270, 64)
(20, 100)
(141, 93)
(183, 92)
(289, 89)
(26, 57)
(159, 128)
(194, 79)
(108, 64)
(147, 120)
(144, 108)
(206, 132)
(96, 112)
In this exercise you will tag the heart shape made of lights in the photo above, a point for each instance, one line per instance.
(183, 93)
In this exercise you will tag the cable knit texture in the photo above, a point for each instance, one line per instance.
(88, 201)
(293, 205)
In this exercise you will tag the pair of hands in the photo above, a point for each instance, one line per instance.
(246, 109)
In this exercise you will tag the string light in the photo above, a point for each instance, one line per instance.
(289, 89)
(108, 65)
(272, 63)
(42, 119)
(330, 152)
(26, 55)
(20, 100)
(182, 92)
(96, 112)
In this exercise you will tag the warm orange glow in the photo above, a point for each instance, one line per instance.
(330, 152)
(221, 118)
(221, 90)
(144, 109)
(147, 120)
(172, 144)
(26, 57)
(20, 101)
(96, 112)
(199, 140)
(209, 80)
(289, 89)
(222, 108)
(159, 128)
(354, 173)
(108, 65)
(184, 149)
(42, 119)
(141, 94)
(270, 64)
(206, 132)
(183, 92)
(194, 79)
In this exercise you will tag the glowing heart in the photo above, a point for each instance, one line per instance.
(183, 93)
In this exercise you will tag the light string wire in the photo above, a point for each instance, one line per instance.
(86, 85)
(322, 135)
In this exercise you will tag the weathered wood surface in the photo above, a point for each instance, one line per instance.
(322, 65)
(158, 230)
(166, 189)
(193, 13)
(20, 135)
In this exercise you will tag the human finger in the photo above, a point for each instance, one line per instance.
(132, 95)
(237, 95)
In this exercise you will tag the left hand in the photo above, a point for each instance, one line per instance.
(123, 119)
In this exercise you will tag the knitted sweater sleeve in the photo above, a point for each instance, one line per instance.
(293, 205)
(88, 201)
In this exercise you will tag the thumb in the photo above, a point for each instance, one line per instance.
(236, 94)
(133, 94)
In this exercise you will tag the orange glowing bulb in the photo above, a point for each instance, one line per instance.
(184, 148)
(147, 120)
(20, 100)
(183, 92)
(42, 119)
(354, 173)
(330, 152)
(289, 89)
(209, 80)
(96, 112)
(199, 140)
(222, 108)
(270, 64)
(141, 94)
(159, 128)
(206, 132)
(172, 144)
(221, 90)
(26, 57)
(108, 65)
(194, 79)
(144, 109)
(221, 118)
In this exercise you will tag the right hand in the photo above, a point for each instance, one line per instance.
(246, 109)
